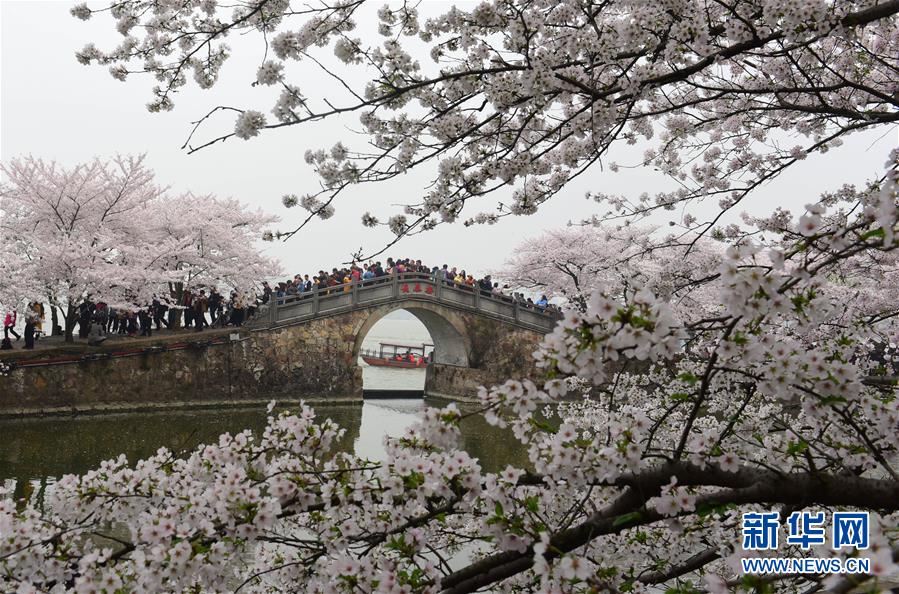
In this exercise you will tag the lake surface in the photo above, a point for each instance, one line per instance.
(34, 452)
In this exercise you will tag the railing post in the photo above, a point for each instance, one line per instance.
(355, 293)
(315, 304)
(439, 292)
(396, 284)
(477, 296)
(272, 306)
(515, 311)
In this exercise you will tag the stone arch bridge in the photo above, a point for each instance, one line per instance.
(311, 344)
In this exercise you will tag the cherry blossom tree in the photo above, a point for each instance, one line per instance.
(204, 241)
(70, 227)
(525, 96)
(106, 230)
(579, 260)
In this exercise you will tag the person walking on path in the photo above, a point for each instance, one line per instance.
(215, 305)
(9, 323)
(187, 300)
(159, 311)
(29, 330)
(200, 305)
(38, 308)
(237, 309)
(146, 321)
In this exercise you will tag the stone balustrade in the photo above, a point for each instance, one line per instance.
(406, 287)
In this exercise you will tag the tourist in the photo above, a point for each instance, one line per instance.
(146, 328)
(159, 311)
(542, 303)
(200, 305)
(112, 321)
(215, 301)
(132, 323)
(29, 328)
(39, 319)
(486, 285)
(237, 309)
(101, 315)
(96, 336)
(187, 300)
(85, 315)
(9, 323)
(121, 321)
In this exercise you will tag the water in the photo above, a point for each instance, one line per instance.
(34, 452)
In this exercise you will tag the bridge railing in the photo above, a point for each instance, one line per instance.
(410, 285)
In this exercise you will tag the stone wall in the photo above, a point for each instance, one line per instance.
(315, 360)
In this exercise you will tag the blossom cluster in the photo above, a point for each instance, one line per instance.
(512, 95)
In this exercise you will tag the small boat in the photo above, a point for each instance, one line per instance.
(400, 356)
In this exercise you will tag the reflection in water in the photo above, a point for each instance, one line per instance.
(34, 451)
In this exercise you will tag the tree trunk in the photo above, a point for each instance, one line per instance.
(174, 318)
(176, 292)
(70, 323)
(54, 319)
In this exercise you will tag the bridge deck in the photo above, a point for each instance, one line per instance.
(408, 287)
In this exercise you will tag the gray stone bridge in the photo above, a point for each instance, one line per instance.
(478, 338)
(305, 348)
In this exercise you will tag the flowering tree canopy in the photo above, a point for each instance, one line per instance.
(202, 240)
(577, 261)
(724, 94)
(105, 230)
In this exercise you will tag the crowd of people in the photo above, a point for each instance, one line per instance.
(343, 279)
(190, 310)
(34, 326)
(97, 319)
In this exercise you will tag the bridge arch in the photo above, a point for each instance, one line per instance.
(452, 345)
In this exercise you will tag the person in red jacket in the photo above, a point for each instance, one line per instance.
(9, 323)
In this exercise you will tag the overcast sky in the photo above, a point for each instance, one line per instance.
(55, 108)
